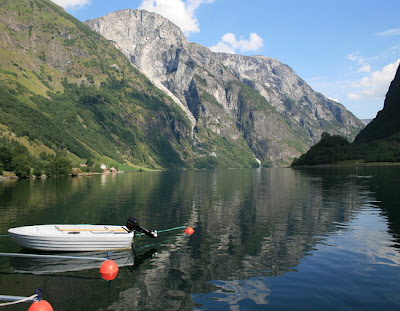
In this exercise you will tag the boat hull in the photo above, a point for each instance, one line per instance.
(72, 238)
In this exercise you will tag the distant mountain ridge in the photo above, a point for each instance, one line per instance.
(254, 101)
(63, 87)
(366, 121)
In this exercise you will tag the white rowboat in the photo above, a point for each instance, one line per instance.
(72, 237)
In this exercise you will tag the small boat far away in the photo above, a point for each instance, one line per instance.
(78, 237)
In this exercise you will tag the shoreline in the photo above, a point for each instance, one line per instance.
(12, 176)
(349, 164)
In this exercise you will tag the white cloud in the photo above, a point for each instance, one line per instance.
(334, 99)
(365, 68)
(229, 43)
(353, 96)
(181, 13)
(355, 57)
(72, 4)
(375, 85)
(389, 32)
(222, 47)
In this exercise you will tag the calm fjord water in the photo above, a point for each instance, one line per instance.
(265, 239)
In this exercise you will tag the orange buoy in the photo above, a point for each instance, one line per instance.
(189, 230)
(109, 270)
(41, 305)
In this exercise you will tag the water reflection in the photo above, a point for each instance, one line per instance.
(252, 227)
(48, 265)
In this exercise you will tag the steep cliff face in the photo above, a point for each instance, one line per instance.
(236, 104)
(387, 121)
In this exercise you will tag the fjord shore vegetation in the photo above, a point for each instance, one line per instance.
(336, 150)
(16, 160)
(15, 157)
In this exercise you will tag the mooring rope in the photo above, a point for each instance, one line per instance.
(165, 230)
(23, 299)
(159, 242)
(51, 256)
(176, 228)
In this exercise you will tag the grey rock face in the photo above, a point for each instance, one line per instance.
(252, 101)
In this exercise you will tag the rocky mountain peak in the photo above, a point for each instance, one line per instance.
(154, 52)
(254, 101)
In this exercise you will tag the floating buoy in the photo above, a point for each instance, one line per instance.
(109, 270)
(41, 305)
(189, 230)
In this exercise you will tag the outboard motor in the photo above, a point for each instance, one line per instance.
(133, 224)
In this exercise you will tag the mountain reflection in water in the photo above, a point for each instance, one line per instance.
(264, 239)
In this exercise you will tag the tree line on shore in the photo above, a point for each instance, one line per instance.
(332, 149)
(16, 158)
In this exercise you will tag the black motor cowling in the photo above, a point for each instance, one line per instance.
(133, 224)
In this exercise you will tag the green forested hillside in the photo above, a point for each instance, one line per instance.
(379, 141)
(63, 88)
(333, 149)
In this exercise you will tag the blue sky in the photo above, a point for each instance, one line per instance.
(348, 50)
